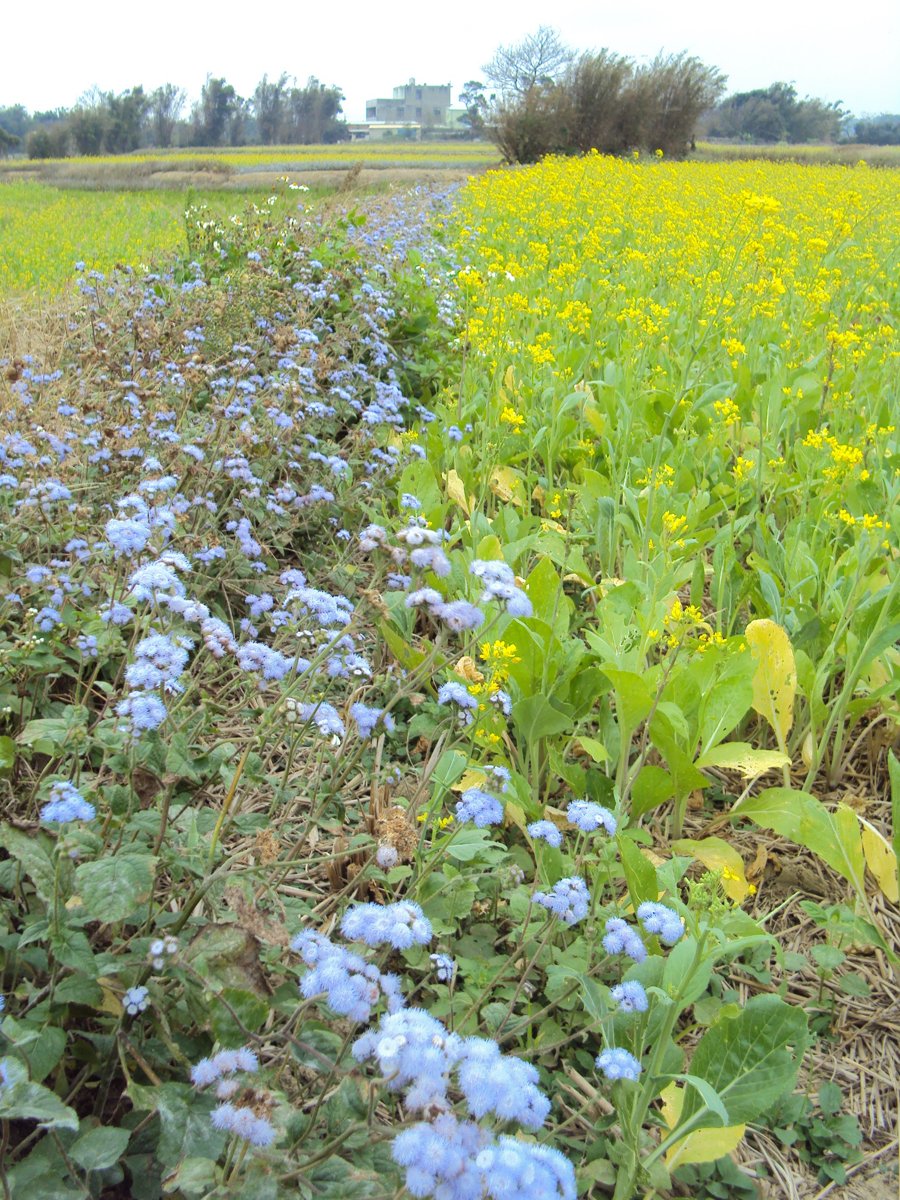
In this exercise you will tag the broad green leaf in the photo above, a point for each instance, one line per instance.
(775, 680)
(113, 887)
(536, 717)
(22, 1100)
(751, 1059)
(652, 786)
(99, 1148)
(595, 749)
(34, 859)
(42, 1046)
(640, 874)
(720, 856)
(805, 820)
(545, 591)
(741, 756)
(7, 753)
(250, 1009)
(192, 1177)
(634, 700)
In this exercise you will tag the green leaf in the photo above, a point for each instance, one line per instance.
(42, 1046)
(536, 717)
(251, 1011)
(751, 1059)
(34, 859)
(184, 1116)
(7, 753)
(708, 1095)
(112, 888)
(634, 700)
(894, 774)
(652, 786)
(545, 591)
(22, 1100)
(192, 1177)
(830, 1098)
(640, 874)
(100, 1148)
(835, 837)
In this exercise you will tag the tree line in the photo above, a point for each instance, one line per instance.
(548, 98)
(279, 111)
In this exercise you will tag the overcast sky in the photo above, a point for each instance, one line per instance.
(54, 51)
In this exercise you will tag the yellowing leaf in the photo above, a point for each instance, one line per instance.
(881, 860)
(595, 418)
(470, 778)
(741, 756)
(515, 813)
(507, 483)
(456, 490)
(705, 1145)
(595, 749)
(701, 1146)
(775, 680)
(719, 856)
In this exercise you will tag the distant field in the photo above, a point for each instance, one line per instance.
(45, 230)
(874, 156)
(252, 166)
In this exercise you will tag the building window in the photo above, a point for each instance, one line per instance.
(436, 111)
(418, 93)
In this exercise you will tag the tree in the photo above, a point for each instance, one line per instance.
(124, 124)
(599, 116)
(165, 107)
(774, 114)
(8, 141)
(87, 123)
(668, 97)
(218, 101)
(475, 102)
(313, 114)
(540, 58)
(269, 108)
(882, 130)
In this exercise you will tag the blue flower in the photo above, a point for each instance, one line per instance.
(546, 831)
(455, 693)
(66, 804)
(444, 967)
(587, 816)
(526, 1171)
(620, 938)
(439, 1158)
(135, 1000)
(400, 925)
(142, 711)
(493, 1082)
(460, 615)
(618, 1064)
(367, 718)
(479, 807)
(663, 921)
(630, 996)
(568, 899)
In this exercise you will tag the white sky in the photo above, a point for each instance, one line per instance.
(54, 51)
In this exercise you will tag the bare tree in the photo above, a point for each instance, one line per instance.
(540, 58)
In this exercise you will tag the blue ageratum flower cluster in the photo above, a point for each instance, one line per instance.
(480, 806)
(583, 814)
(448, 1157)
(351, 986)
(414, 1052)
(400, 925)
(66, 804)
(568, 899)
(238, 1110)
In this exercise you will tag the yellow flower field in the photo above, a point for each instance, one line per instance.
(44, 231)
